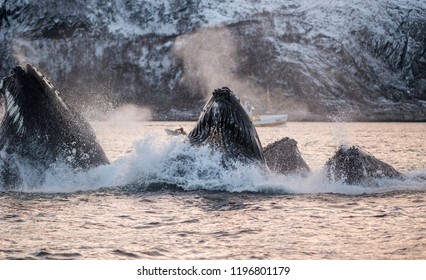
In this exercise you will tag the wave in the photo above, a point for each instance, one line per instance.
(154, 165)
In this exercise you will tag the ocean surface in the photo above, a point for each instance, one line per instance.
(162, 199)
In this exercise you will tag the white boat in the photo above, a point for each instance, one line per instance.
(269, 120)
(265, 120)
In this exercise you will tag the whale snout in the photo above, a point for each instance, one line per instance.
(19, 71)
(223, 92)
(19, 75)
(225, 126)
(22, 74)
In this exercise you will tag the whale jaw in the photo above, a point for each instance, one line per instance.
(226, 127)
(353, 165)
(29, 96)
(40, 130)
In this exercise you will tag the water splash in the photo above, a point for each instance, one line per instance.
(157, 164)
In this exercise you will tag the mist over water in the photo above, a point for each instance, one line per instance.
(21, 49)
(210, 59)
(209, 56)
(126, 113)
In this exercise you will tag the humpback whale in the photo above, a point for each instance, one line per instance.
(284, 157)
(40, 130)
(354, 165)
(225, 126)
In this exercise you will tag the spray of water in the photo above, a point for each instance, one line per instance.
(175, 163)
(210, 61)
(128, 113)
(23, 51)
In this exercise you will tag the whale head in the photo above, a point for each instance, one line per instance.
(29, 96)
(225, 126)
(354, 165)
(39, 129)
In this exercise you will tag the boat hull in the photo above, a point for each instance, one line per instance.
(269, 120)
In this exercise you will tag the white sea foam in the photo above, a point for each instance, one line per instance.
(193, 168)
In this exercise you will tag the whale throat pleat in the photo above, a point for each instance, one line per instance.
(13, 110)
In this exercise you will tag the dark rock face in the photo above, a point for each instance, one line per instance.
(354, 165)
(363, 60)
(284, 157)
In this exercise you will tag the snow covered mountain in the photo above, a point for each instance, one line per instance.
(316, 60)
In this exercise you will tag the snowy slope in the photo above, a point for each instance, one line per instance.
(333, 60)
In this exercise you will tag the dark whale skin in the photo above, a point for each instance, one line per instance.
(354, 165)
(39, 130)
(225, 126)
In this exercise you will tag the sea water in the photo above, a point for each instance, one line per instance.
(163, 199)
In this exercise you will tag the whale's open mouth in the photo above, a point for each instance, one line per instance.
(27, 92)
(225, 125)
(40, 128)
(28, 81)
(13, 105)
(46, 85)
(354, 165)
